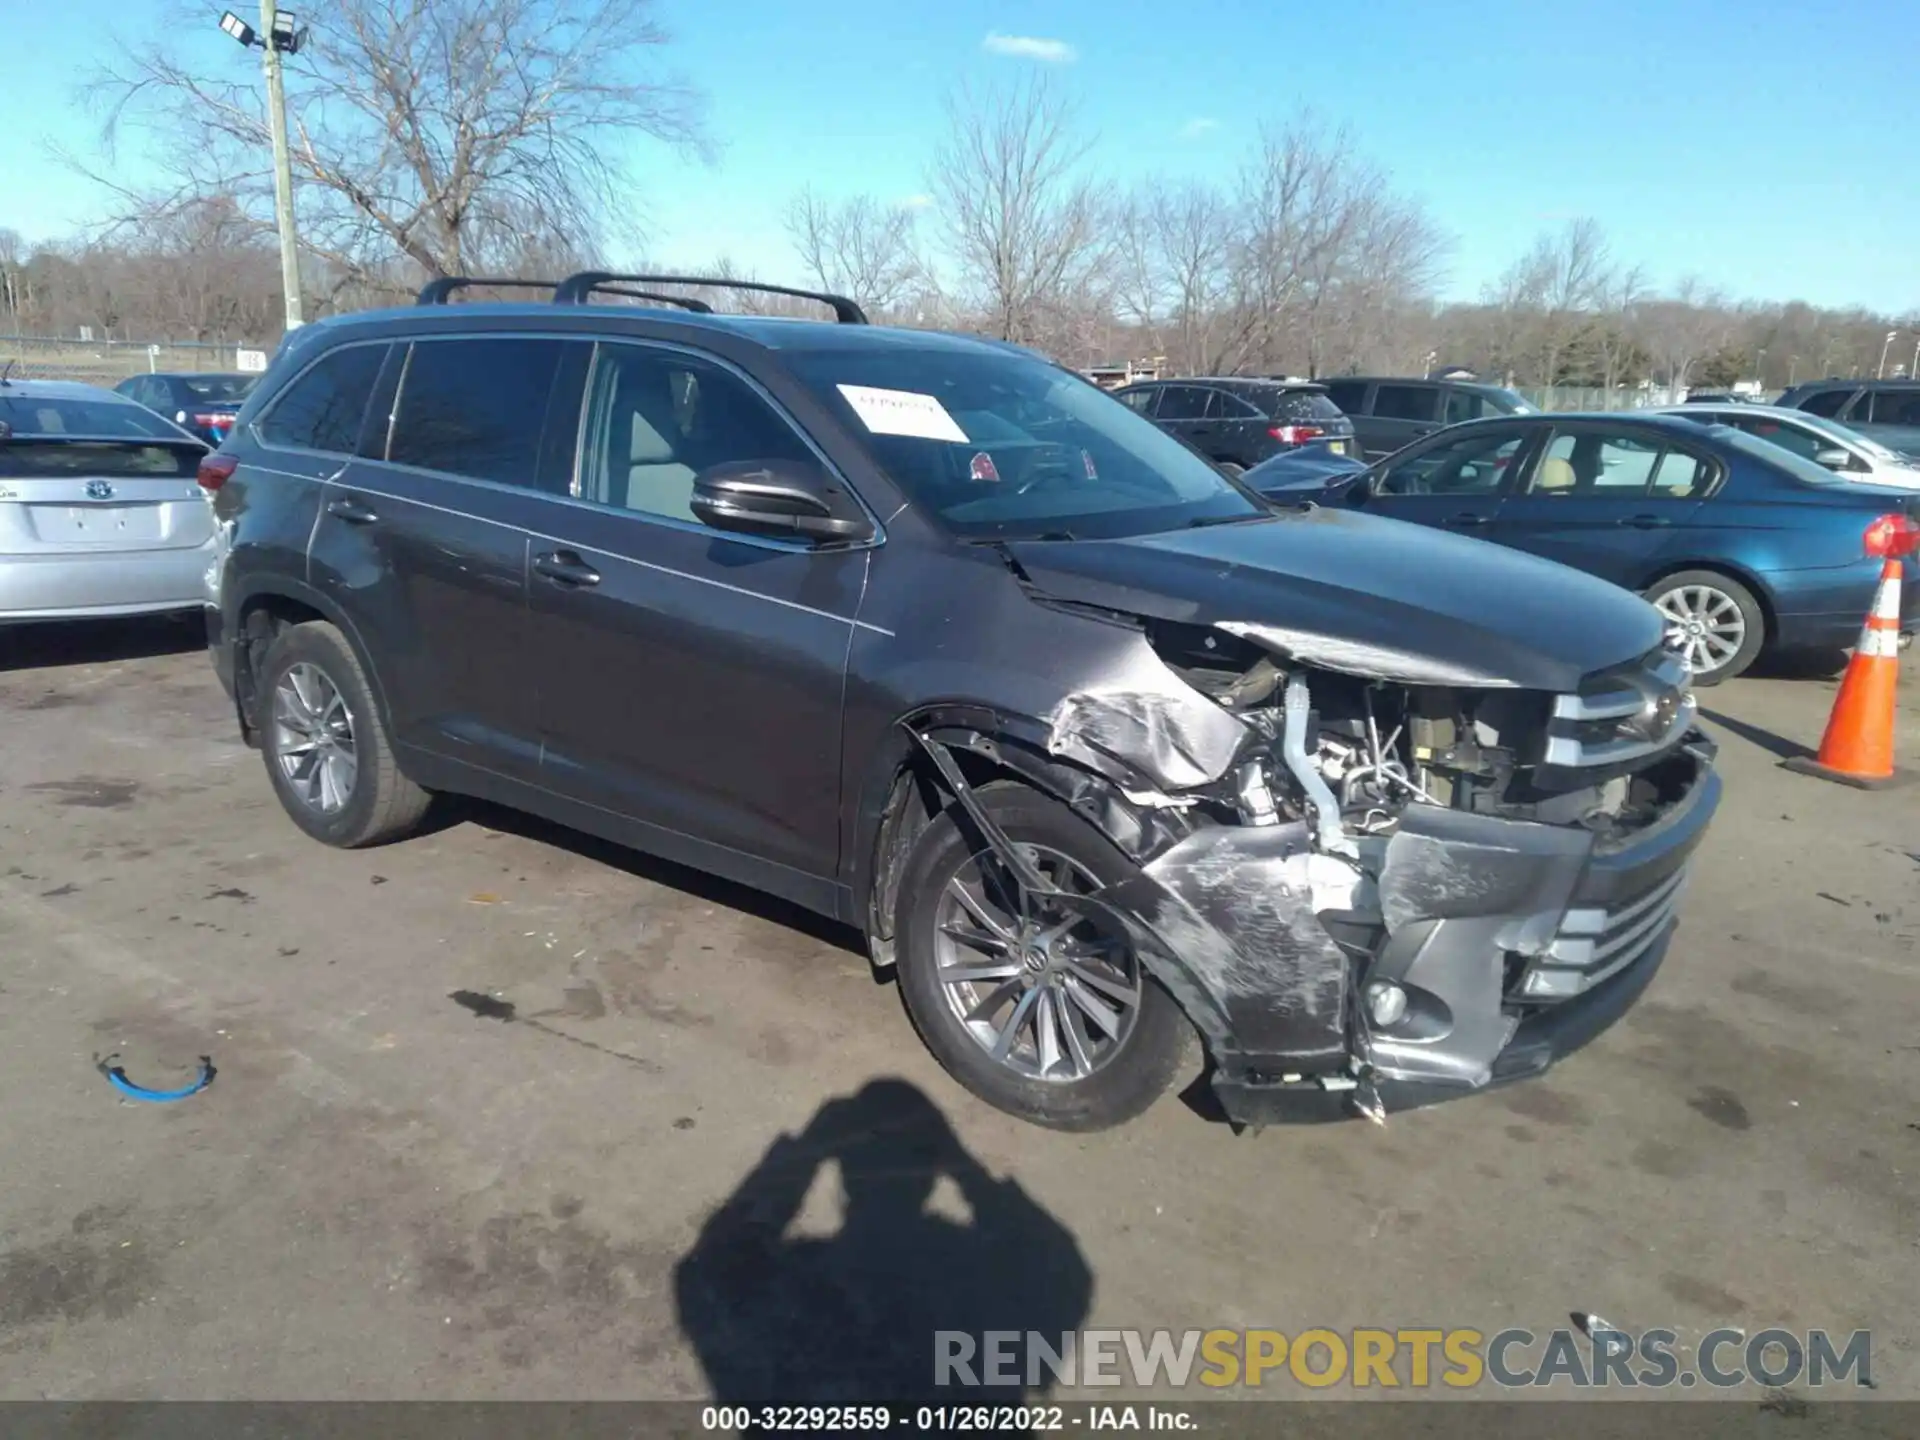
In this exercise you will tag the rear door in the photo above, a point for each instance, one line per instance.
(1453, 482)
(94, 480)
(422, 541)
(1609, 499)
(1400, 414)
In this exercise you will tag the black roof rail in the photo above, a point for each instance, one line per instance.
(440, 291)
(575, 290)
(685, 302)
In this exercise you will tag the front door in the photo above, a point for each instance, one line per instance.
(1456, 483)
(690, 679)
(1607, 499)
(1401, 414)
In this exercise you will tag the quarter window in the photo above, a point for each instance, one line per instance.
(657, 418)
(322, 410)
(1349, 395)
(475, 407)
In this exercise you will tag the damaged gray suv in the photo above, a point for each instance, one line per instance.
(1098, 748)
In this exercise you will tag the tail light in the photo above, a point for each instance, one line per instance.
(214, 471)
(1296, 434)
(1891, 535)
(214, 422)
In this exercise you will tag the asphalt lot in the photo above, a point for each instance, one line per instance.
(386, 1194)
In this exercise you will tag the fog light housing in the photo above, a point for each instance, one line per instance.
(1386, 1002)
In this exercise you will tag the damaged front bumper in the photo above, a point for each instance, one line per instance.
(1511, 944)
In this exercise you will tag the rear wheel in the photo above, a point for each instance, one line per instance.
(326, 751)
(1040, 1008)
(1712, 622)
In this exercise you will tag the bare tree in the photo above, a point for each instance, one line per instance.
(445, 132)
(1687, 327)
(857, 247)
(1024, 225)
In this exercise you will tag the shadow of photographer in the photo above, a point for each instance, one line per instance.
(851, 1318)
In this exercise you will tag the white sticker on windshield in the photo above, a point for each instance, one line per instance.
(903, 412)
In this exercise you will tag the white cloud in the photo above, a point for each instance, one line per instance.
(916, 202)
(1198, 126)
(1030, 47)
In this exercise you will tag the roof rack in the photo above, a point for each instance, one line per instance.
(440, 291)
(576, 289)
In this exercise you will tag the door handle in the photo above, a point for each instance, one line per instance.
(1467, 518)
(563, 567)
(1645, 522)
(351, 511)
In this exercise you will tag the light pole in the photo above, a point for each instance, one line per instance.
(1913, 370)
(1881, 373)
(277, 37)
(1793, 367)
(1760, 368)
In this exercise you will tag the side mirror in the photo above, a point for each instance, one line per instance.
(1356, 489)
(1833, 457)
(784, 498)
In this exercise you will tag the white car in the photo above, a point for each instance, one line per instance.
(101, 512)
(1828, 443)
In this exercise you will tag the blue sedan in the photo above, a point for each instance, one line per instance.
(1741, 545)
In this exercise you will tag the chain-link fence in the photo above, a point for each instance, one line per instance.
(108, 362)
(1576, 397)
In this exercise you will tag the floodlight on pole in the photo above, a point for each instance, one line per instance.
(1881, 374)
(283, 37)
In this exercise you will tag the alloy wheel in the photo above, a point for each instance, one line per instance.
(1705, 626)
(1044, 988)
(312, 739)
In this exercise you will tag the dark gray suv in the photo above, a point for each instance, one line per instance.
(1883, 410)
(1393, 411)
(1097, 748)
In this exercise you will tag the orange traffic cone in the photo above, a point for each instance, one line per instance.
(1858, 746)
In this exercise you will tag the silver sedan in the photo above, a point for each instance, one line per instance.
(1846, 452)
(101, 513)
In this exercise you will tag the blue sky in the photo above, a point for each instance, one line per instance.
(1765, 146)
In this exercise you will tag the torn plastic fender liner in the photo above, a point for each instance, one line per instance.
(1225, 920)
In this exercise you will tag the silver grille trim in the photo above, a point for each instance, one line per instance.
(1654, 705)
(1593, 944)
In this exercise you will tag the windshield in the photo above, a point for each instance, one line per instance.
(219, 389)
(1001, 446)
(1779, 457)
(1514, 404)
(29, 414)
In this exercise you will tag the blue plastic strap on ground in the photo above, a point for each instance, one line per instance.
(117, 1078)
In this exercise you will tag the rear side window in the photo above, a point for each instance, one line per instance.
(1182, 402)
(1348, 396)
(475, 407)
(322, 409)
(1404, 402)
(1825, 402)
(1893, 407)
(1619, 466)
(1301, 405)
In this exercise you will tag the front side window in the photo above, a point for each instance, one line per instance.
(475, 407)
(1003, 446)
(1893, 407)
(1403, 402)
(1471, 465)
(1141, 400)
(322, 410)
(1598, 465)
(657, 418)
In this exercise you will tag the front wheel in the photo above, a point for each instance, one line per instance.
(1040, 1008)
(1712, 622)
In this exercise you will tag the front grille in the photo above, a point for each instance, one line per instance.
(1593, 944)
(1622, 716)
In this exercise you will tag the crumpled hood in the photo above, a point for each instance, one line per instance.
(1363, 594)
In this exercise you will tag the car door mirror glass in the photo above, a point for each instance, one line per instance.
(785, 498)
(1831, 456)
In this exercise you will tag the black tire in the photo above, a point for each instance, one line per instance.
(1146, 1060)
(382, 804)
(1752, 617)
